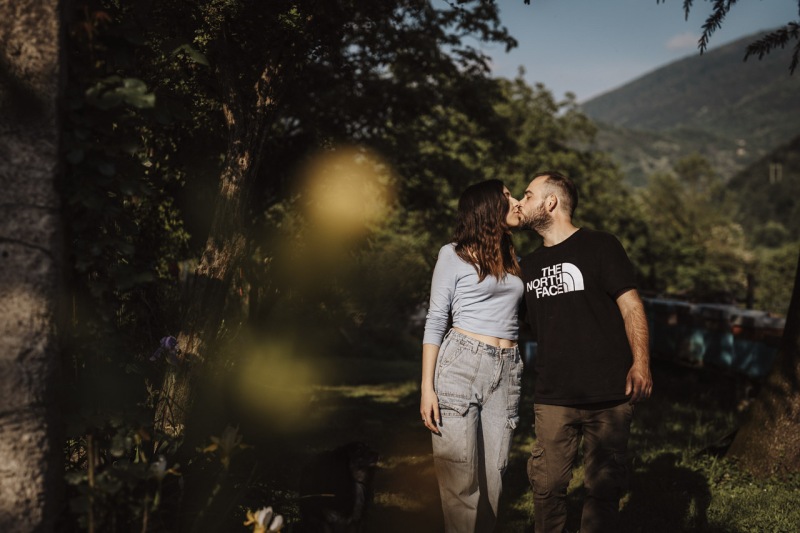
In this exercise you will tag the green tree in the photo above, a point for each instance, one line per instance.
(178, 146)
(768, 443)
(177, 105)
(261, 56)
(555, 135)
(765, 194)
(695, 248)
(772, 273)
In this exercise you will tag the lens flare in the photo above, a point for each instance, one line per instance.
(347, 190)
(276, 385)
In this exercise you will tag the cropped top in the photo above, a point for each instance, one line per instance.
(489, 307)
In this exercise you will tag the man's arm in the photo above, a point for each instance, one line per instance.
(639, 384)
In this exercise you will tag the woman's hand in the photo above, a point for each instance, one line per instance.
(429, 403)
(429, 409)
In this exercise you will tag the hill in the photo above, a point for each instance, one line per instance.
(768, 190)
(730, 111)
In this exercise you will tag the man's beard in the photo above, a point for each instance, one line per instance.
(540, 221)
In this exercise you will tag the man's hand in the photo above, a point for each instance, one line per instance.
(639, 383)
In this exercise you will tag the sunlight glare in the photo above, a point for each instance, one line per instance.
(347, 191)
(276, 384)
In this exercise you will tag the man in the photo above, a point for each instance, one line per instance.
(592, 363)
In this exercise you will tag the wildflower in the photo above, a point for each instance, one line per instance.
(264, 520)
(226, 444)
(158, 469)
(167, 346)
(277, 523)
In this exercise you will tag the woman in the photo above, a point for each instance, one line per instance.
(471, 374)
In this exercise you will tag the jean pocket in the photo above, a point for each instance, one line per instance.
(537, 471)
(451, 443)
(514, 390)
(453, 406)
(450, 353)
(505, 442)
(456, 372)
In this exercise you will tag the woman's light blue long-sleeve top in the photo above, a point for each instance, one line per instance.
(486, 308)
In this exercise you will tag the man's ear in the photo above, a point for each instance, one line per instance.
(552, 203)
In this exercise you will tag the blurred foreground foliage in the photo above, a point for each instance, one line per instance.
(384, 113)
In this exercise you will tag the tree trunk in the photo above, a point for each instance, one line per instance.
(31, 472)
(768, 443)
(224, 249)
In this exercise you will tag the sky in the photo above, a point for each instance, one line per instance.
(589, 47)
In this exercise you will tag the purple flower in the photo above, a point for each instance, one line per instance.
(170, 342)
(168, 346)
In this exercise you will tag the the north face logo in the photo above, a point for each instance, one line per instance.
(557, 279)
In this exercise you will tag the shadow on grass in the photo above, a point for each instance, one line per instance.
(373, 402)
(691, 412)
(377, 402)
(666, 497)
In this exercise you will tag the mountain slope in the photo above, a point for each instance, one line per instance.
(731, 111)
(769, 189)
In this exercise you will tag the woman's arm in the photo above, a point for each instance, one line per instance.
(443, 286)
(429, 402)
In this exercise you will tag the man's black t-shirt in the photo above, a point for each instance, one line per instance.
(571, 288)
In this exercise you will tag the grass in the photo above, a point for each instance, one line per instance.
(679, 481)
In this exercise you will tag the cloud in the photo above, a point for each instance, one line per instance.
(682, 41)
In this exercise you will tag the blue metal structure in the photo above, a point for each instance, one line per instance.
(744, 341)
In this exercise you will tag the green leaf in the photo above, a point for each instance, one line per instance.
(134, 91)
(114, 90)
(192, 53)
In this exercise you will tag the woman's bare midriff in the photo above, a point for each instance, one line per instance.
(493, 341)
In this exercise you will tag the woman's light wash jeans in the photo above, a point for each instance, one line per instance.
(478, 386)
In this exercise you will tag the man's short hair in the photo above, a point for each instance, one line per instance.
(564, 185)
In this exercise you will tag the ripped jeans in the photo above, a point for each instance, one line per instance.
(478, 386)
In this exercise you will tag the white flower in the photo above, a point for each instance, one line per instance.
(158, 469)
(277, 523)
(263, 516)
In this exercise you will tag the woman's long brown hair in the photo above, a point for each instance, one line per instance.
(482, 237)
